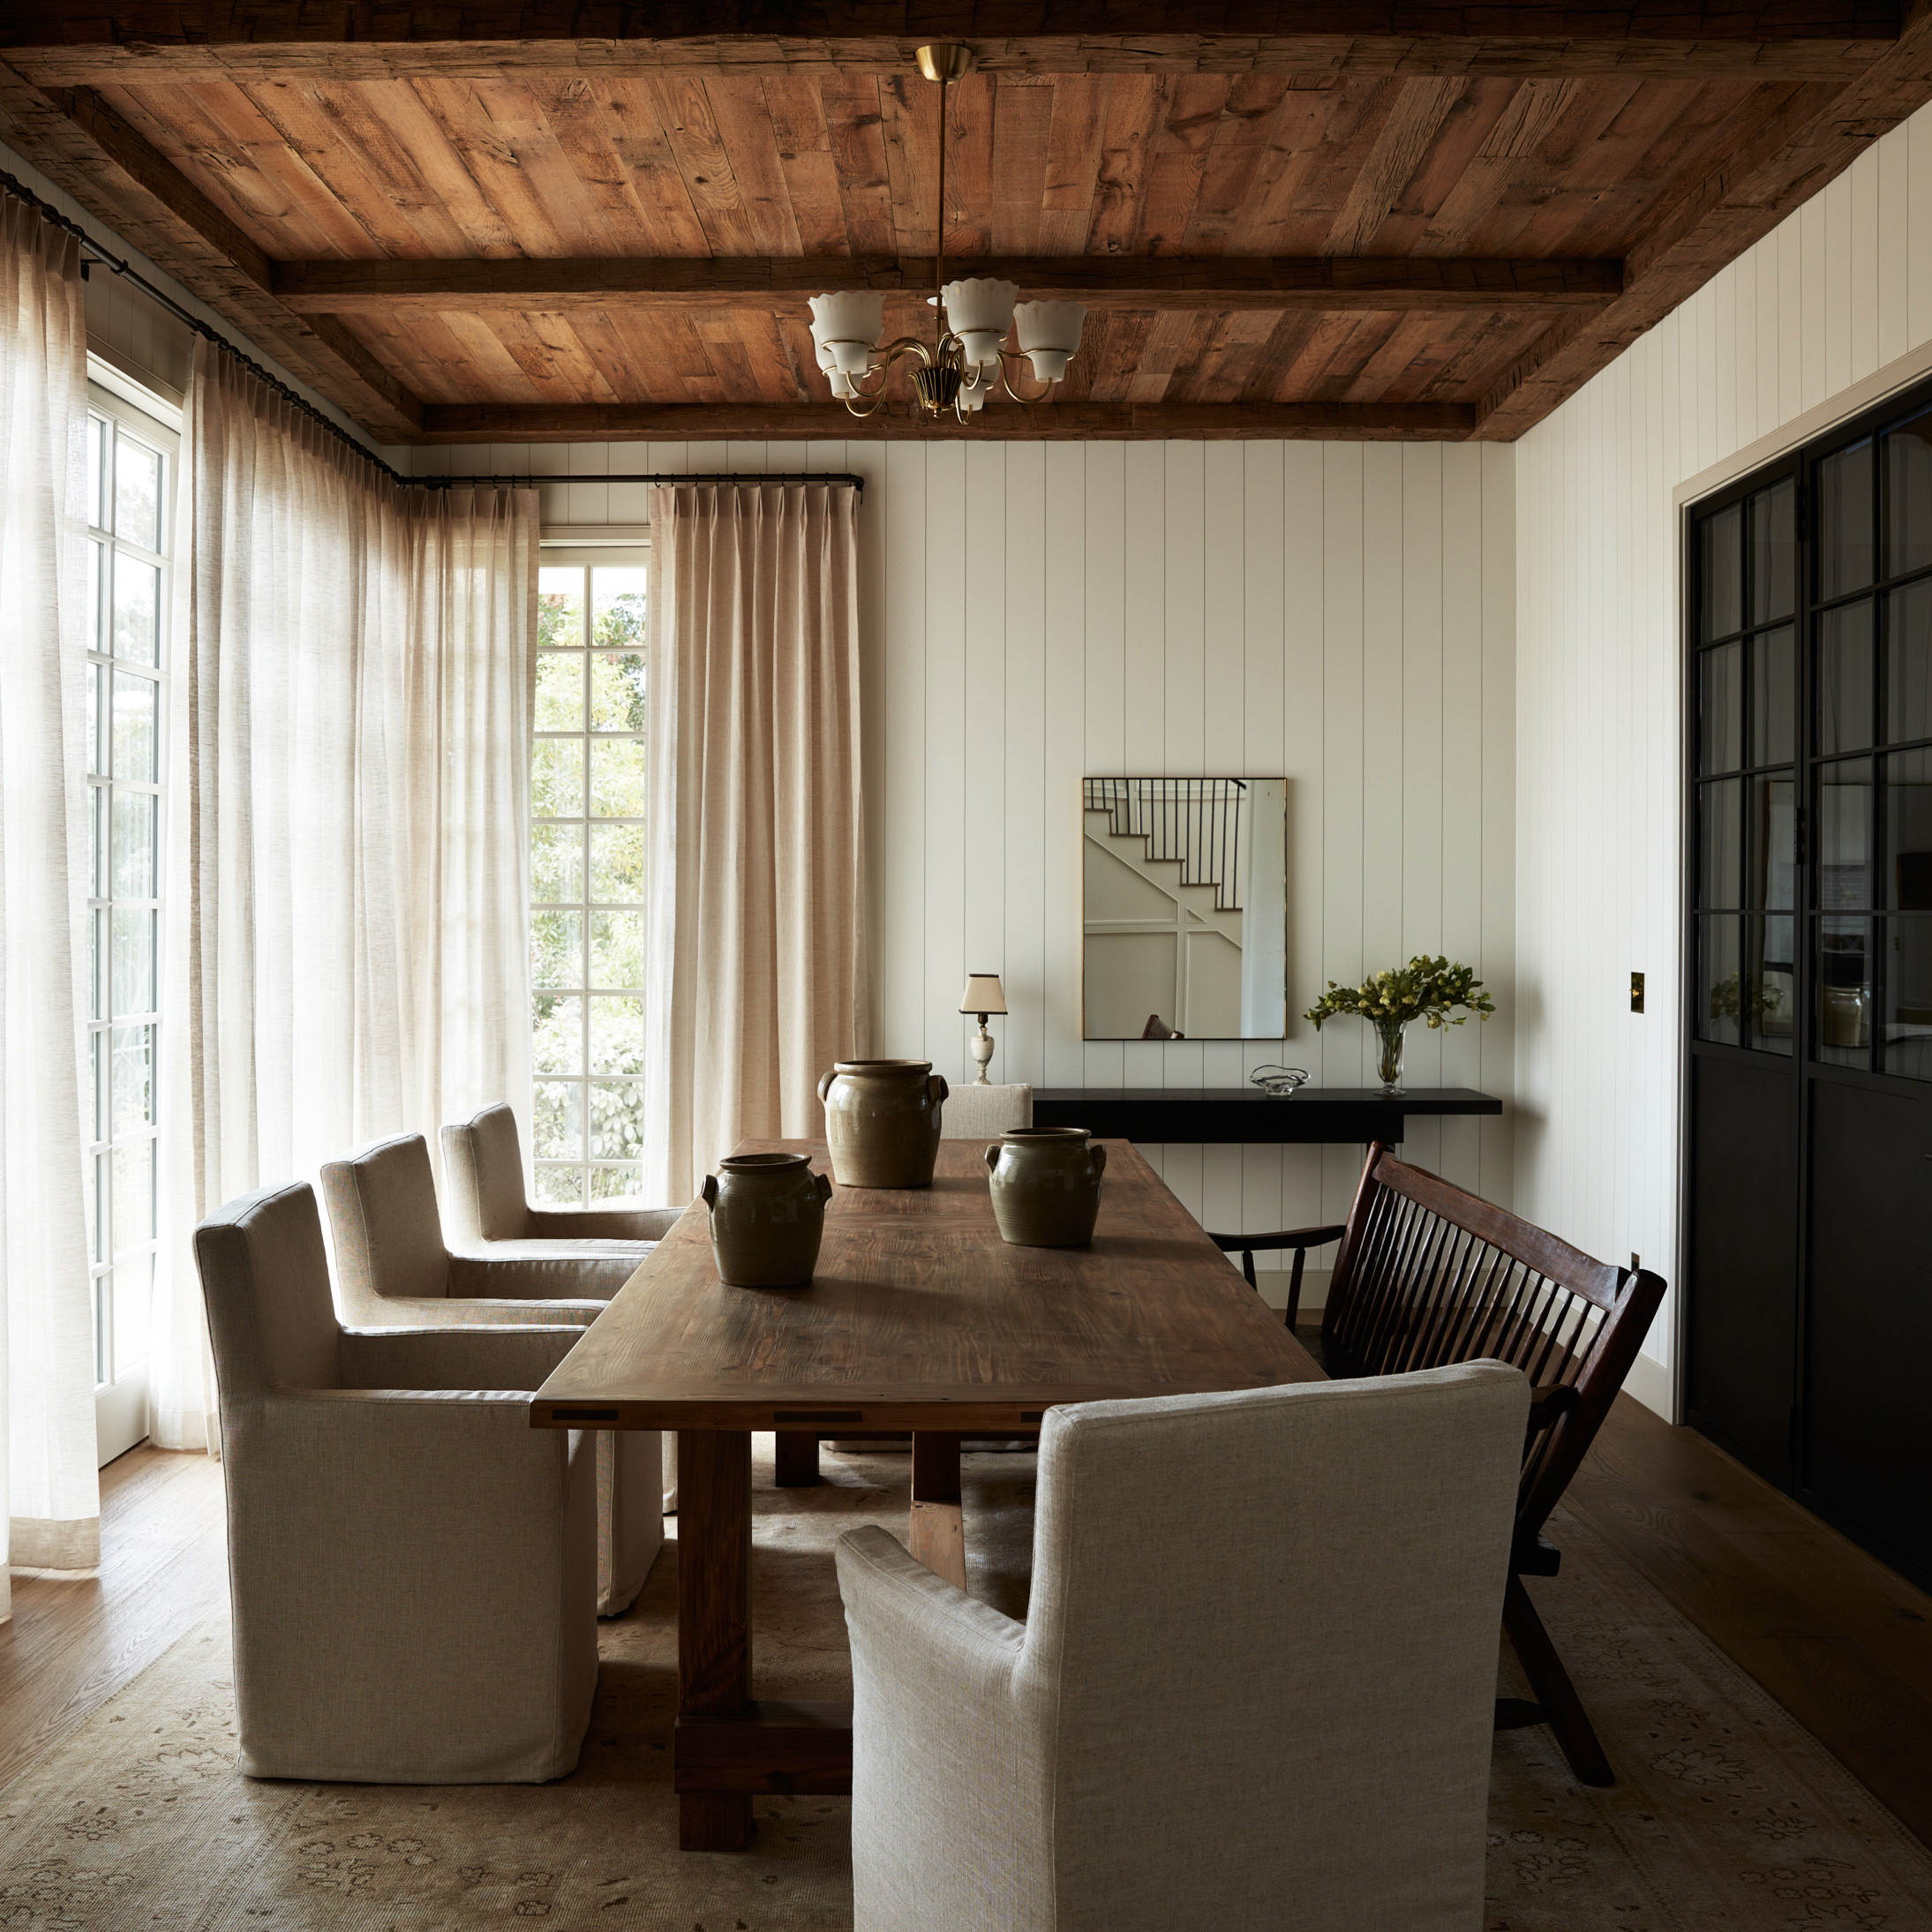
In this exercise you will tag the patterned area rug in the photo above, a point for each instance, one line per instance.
(1727, 1814)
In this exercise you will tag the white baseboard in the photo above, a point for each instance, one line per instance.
(1650, 1383)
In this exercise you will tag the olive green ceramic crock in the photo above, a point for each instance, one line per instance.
(1046, 1186)
(768, 1215)
(882, 1121)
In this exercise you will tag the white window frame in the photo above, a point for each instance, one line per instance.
(119, 411)
(598, 1176)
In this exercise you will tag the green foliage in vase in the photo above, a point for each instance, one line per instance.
(1428, 989)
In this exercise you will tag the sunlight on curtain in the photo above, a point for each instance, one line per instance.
(348, 874)
(47, 1447)
(755, 956)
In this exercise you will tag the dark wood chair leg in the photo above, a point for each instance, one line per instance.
(797, 1459)
(1562, 1709)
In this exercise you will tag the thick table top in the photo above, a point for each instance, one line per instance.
(921, 1317)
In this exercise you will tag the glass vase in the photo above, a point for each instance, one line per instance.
(1389, 1054)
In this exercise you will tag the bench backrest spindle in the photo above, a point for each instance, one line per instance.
(1429, 1274)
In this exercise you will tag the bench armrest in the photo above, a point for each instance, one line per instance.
(1290, 1237)
(1548, 1405)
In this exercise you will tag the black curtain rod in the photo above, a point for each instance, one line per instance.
(48, 212)
(733, 476)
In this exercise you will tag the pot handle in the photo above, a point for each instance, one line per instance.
(936, 1089)
(992, 1157)
(707, 1193)
(825, 1186)
(1100, 1157)
(824, 1082)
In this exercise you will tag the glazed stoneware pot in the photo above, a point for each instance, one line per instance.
(882, 1121)
(1046, 1186)
(768, 1216)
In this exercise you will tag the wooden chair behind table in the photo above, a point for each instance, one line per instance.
(1430, 1274)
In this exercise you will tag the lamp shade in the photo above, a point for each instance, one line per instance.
(980, 310)
(850, 324)
(1049, 335)
(982, 994)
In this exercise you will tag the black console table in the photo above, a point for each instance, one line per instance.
(1187, 1116)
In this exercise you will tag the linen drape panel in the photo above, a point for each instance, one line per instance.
(51, 1520)
(755, 954)
(348, 873)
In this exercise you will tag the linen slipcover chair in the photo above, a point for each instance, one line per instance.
(489, 1211)
(1254, 1687)
(391, 1270)
(1429, 1273)
(973, 1112)
(412, 1567)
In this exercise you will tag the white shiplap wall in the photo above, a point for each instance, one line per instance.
(1799, 327)
(1341, 614)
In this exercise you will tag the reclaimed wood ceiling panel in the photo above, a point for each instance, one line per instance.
(1385, 236)
(1136, 164)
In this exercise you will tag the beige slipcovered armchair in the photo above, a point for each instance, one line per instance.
(490, 1213)
(391, 1270)
(973, 1112)
(1255, 1686)
(411, 1564)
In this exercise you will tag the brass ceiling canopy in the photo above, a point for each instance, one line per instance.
(945, 62)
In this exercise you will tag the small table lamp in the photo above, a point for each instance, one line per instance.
(982, 996)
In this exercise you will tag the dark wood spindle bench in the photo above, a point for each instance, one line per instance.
(1429, 1274)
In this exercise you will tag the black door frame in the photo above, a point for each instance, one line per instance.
(1805, 1070)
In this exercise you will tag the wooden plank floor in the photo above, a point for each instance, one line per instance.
(163, 1566)
(1841, 1642)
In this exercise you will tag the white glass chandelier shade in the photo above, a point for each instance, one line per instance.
(849, 324)
(980, 310)
(1049, 335)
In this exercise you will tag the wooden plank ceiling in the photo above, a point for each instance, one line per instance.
(489, 225)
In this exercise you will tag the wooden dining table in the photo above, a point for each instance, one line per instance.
(919, 1318)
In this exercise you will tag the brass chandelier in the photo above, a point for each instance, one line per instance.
(967, 357)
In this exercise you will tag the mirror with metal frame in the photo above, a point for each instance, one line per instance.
(1185, 918)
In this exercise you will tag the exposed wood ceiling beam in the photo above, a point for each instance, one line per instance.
(76, 140)
(1792, 157)
(1221, 283)
(146, 61)
(1054, 422)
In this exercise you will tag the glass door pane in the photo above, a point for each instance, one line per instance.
(132, 460)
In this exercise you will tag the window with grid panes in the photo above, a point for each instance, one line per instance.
(587, 853)
(131, 458)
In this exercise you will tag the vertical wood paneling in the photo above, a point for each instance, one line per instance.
(1338, 614)
(1841, 288)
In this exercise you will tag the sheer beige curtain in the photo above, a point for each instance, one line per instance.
(348, 875)
(755, 960)
(47, 1440)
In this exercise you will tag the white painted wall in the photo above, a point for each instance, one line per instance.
(1831, 308)
(1338, 613)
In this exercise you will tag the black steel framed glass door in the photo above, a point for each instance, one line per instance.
(1808, 1203)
